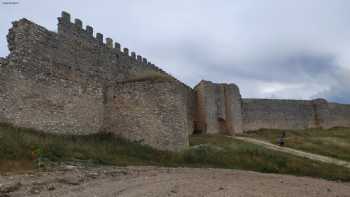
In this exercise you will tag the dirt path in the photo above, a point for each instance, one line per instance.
(296, 152)
(161, 182)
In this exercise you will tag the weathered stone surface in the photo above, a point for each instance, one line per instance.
(50, 104)
(58, 82)
(218, 108)
(277, 114)
(339, 115)
(71, 82)
(293, 114)
(153, 112)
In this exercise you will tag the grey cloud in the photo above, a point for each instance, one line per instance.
(271, 48)
(338, 91)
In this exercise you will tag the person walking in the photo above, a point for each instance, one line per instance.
(281, 141)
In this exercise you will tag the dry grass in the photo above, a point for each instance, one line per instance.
(148, 75)
(24, 148)
(333, 142)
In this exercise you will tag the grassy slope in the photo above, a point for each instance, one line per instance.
(332, 142)
(22, 147)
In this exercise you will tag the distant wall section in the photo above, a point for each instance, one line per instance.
(339, 115)
(293, 114)
(277, 114)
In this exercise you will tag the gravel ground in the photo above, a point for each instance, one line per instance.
(78, 181)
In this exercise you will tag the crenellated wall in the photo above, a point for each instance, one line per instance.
(76, 82)
(38, 90)
(93, 55)
(60, 82)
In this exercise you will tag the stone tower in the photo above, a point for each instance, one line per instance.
(218, 108)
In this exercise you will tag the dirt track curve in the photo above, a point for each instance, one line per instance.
(295, 152)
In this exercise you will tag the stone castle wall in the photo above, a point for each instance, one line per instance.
(277, 114)
(60, 82)
(293, 114)
(75, 82)
(339, 115)
(156, 108)
(220, 109)
(50, 104)
(39, 91)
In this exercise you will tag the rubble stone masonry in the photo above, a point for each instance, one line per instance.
(60, 82)
(76, 82)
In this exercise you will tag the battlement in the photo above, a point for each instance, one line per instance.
(76, 49)
(67, 82)
(75, 30)
(77, 82)
(68, 28)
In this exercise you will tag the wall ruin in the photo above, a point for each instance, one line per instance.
(218, 108)
(60, 82)
(75, 82)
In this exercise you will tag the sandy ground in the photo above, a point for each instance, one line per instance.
(73, 181)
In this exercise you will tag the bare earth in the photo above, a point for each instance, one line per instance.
(155, 181)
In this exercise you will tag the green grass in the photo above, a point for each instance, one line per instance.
(331, 142)
(148, 75)
(24, 146)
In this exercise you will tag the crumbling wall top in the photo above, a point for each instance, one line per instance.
(320, 101)
(210, 83)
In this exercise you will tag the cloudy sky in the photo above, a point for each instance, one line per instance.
(296, 49)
